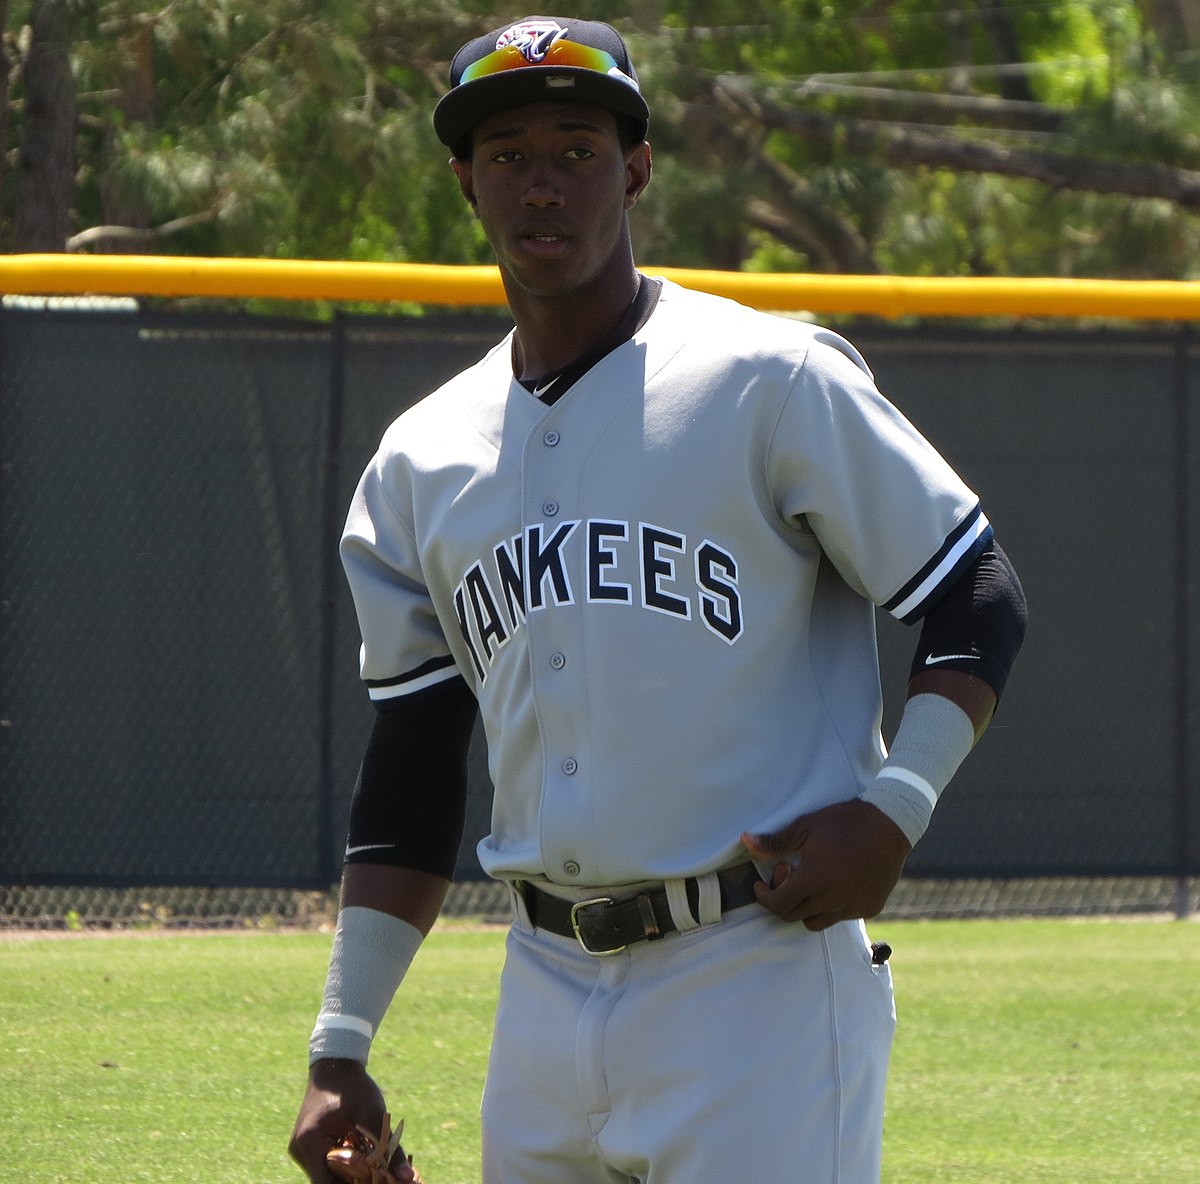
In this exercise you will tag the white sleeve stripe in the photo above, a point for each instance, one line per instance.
(414, 684)
(910, 778)
(919, 594)
(350, 1023)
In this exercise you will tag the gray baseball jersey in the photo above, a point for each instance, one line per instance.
(661, 588)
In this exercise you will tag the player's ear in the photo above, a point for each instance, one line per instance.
(466, 181)
(639, 165)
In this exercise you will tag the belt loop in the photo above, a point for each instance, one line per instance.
(522, 905)
(677, 900)
(650, 925)
(708, 909)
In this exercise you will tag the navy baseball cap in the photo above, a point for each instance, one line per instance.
(535, 60)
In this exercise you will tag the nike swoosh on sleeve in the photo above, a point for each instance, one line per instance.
(932, 661)
(369, 847)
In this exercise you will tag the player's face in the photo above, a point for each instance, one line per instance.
(552, 185)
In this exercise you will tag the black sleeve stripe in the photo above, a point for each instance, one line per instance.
(426, 675)
(961, 548)
(453, 684)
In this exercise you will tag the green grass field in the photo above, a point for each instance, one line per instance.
(1027, 1051)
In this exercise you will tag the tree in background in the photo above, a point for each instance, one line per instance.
(916, 136)
(45, 161)
(942, 137)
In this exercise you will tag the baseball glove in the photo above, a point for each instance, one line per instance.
(363, 1158)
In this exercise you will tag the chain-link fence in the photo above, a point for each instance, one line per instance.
(81, 908)
(180, 715)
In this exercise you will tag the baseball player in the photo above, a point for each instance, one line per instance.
(644, 538)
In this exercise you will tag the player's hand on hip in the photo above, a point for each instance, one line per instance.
(340, 1096)
(851, 856)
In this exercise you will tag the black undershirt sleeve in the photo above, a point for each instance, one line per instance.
(978, 625)
(409, 804)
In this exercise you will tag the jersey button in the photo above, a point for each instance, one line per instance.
(571, 867)
(549, 509)
(570, 766)
(551, 438)
(558, 661)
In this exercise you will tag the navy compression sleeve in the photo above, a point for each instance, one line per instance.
(409, 804)
(978, 625)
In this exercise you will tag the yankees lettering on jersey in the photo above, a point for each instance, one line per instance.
(644, 566)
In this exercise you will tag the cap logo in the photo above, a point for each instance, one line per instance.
(532, 38)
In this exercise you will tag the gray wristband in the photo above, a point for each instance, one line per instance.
(933, 739)
(372, 952)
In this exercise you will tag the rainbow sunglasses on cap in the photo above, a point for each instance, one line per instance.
(538, 59)
(560, 52)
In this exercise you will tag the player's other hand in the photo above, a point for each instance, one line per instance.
(851, 855)
(340, 1096)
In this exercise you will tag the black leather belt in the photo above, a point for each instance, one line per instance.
(604, 925)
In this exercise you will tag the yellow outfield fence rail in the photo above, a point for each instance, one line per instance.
(873, 295)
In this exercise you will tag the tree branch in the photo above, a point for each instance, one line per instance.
(128, 236)
(935, 107)
(792, 211)
(906, 148)
(811, 225)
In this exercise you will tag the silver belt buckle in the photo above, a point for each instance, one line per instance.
(583, 904)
